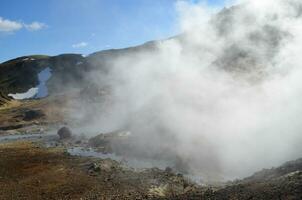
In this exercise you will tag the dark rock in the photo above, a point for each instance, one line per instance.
(99, 140)
(168, 170)
(78, 142)
(64, 133)
(108, 142)
(33, 114)
(94, 167)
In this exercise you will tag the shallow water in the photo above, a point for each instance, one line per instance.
(37, 136)
(131, 162)
(51, 140)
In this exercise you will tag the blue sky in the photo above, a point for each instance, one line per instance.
(83, 26)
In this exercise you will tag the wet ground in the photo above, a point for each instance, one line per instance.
(81, 149)
(40, 166)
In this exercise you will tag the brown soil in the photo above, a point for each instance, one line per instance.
(12, 115)
(29, 171)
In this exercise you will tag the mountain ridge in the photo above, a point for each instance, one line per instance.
(20, 74)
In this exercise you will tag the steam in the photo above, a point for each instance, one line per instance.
(222, 100)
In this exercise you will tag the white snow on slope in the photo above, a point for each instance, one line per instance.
(25, 59)
(26, 95)
(39, 91)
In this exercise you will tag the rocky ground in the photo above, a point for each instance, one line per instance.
(36, 165)
(29, 171)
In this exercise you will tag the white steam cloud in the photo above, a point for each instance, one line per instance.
(224, 97)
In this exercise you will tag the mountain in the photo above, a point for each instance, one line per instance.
(19, 75)
(69, 71)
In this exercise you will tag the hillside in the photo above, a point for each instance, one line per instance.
(67, 70)
(195, 116)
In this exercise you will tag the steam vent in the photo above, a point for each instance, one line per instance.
(151, 100)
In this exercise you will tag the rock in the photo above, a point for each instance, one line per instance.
(64, 133)
(98, 140)
(168, 170)
(78, 142)
(33, 114)
(110, 142)
(94, 167)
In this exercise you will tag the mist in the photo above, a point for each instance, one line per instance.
(220, 101)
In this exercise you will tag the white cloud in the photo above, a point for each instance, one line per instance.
(35, 26)
(9, 26)
(80, 45)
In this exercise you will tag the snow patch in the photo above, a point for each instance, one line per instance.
(25, 59)
(26, 95)
(37, 92)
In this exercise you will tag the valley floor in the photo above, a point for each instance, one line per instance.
(31, 170)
